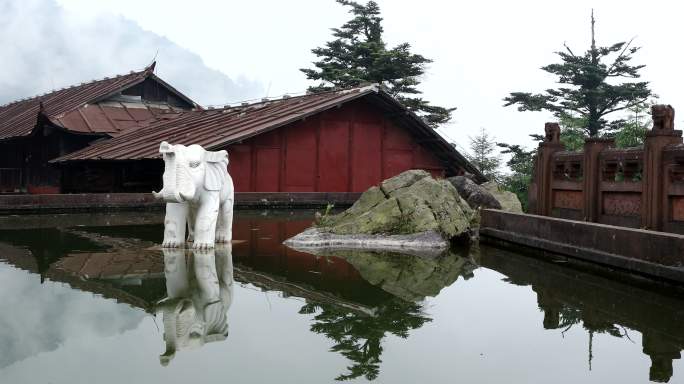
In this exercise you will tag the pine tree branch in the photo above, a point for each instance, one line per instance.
(568, 49)
(627, 106)
(620, 55)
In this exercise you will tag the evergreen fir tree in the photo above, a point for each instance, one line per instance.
(521, 164)
(359, 55)
(483, 155)
(633, 130)
(573, 131)
(585, 92)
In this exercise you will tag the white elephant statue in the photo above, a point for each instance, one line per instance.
(198, 192)
(199, 291)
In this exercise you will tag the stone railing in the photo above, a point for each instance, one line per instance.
(635, 187)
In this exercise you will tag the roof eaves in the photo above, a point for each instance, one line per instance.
(61, 127)
(430, 131)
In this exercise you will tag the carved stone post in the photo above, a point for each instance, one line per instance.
(592, 175)
(544, 171)
(653, 211)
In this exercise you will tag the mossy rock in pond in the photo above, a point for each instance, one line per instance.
(384, 217)
(475, 195)
(509, 201)
(402, 180)
(487, 195)
(410, 202)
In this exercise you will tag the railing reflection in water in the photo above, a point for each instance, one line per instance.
(355, 299)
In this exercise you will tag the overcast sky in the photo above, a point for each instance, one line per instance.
(225, 51)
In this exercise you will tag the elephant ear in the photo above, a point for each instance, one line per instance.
(217, 170)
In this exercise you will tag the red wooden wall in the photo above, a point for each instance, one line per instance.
(346, 149)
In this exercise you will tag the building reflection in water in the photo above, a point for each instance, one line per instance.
(355, 299)
(199, 286)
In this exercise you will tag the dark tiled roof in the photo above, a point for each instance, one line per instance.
(216, 128)
(68, 108)
(110, 117)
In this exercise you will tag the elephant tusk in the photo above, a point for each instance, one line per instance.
(157, 195)
(184, 197)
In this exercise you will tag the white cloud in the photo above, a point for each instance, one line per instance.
(45, 316)
(45, 47)
(481, 50)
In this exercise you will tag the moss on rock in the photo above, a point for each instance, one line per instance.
(410, 202)
(384, 217)
(402, 180)
(509, 201)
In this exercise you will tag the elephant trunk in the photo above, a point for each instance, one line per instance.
(178, 185)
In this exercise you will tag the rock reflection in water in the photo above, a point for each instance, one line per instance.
(409, 278)
(355, 300)
(199, 288)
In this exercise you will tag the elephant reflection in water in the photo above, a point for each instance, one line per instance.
(199, 292)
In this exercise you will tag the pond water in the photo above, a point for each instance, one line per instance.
(93, 299)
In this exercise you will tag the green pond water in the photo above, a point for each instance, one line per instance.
(93, 299)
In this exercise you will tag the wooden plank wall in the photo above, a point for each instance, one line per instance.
(347, 149)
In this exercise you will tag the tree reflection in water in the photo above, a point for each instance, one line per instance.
(661, 350)
(357, 300)
(570, 296)
(409, 279)
(358, 337)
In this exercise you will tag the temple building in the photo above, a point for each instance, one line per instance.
(38, 129)
(104, 137)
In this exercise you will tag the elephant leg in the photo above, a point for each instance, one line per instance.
(192, 218)
(174, 225)
(212, 309)
(205, 222)
(176, 273)
(224, 230)
(224, 270)
(205, 274)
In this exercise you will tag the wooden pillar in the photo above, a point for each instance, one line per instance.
(591, 174)
(544, 171)
(654, 210)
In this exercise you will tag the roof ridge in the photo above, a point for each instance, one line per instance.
(291, 95)
(216, 130)
(117, 76)
(202, 121)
